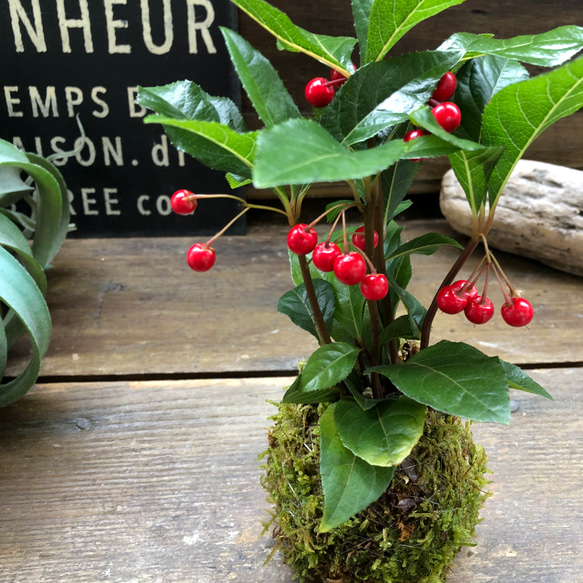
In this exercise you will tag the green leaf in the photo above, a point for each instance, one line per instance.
(397, 181)
(12, 187)
(473, 170)
(548, 49)
(361, 12)
(383, 94)
(477, 82)
(332, 51)
(327, 366)
(415, 310)
(455, 378)
(214, 144)
(20, 293)
(383, 435)
(518, 379)
(261, 82)
(399, 328)
(349, 306)
(391, 19)
(294, 394)
(426, 244)
(301, 151)
(184, 100)
(296, 305)
(349, 483)
(520, 113)
(354, 384)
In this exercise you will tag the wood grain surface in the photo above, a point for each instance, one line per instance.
(561, 144)
(133, 307)
(159, 482)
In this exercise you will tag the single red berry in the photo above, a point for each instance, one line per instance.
(448, 116)
(200, 257)
(374, 286)
(324, 256)
(469, 291)
(415, 134)
(479, 311)
(350, 268)
(319, 92)
(300, 241)
(183, 202)
(337, 78)
(450, 300)
(519, 312)
(445, 88)
(358, 239)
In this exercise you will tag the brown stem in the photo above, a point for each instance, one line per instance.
(432, 310)
(308, 282)
(375, 351)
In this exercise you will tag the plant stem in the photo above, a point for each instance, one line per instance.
(432, 310)
(318, 317)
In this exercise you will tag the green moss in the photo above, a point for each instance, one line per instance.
(410, 535)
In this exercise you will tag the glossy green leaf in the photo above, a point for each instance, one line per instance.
(361, 13)
(12, 187)
(214, 144)
(518, 114)
(327, 366)
(354, 384)
(473, 170)
(301, 151)
(399, 328)
(332, 51)
(19, 292)
(455, 378)
(349, 306)
(383, 435)
(383, 94)
(415, 310)
(295, 394)
(296, 305)
(296, 270)
(184, 100)
(350, 484)
(548, 49)
(426, 244)
(261, 82)
(518, 379)
(397, 181)
(477, 82)
(391, 19)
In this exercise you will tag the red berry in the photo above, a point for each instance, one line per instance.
(319, 92)
(358, 239)
(415, 134)
(337, 78)
(450, 300)
(374, 286)
(447, 115)
(200, 257)
(183, 202)
(324, 256)
(300, 241)
(445, 88)
(350, 268)
(518, 312)
(479, 311)
(470, 291)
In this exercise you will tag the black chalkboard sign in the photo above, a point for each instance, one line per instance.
(68, 58)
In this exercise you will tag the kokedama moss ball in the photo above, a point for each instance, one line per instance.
(410, 535)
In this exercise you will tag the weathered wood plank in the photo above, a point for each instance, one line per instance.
(132, 306)
(159, 482)
(561, 144)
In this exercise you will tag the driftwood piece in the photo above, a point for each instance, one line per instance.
(539, 215)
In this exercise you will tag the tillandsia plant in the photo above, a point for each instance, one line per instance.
(34, 205)
(376, 389)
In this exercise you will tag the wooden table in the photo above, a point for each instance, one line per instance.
(135, 457)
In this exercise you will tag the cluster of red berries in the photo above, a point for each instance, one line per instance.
(350, 268)
(320, 92)
(462, 296)
(446, 113)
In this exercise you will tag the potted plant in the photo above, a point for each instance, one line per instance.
(34, 221)
(373, 475)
